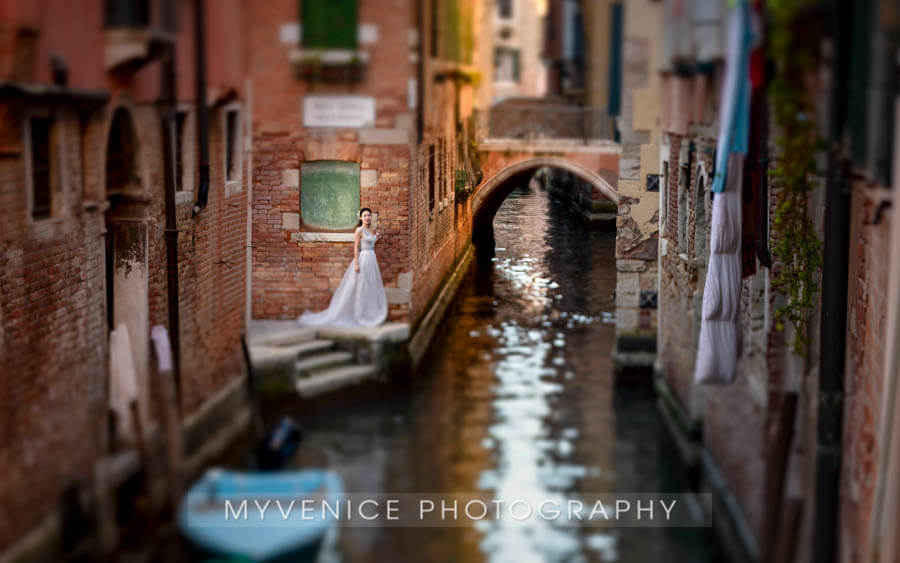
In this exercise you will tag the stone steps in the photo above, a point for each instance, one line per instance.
(277, 359)
(333, 378)
(285, 337)
(318, 362)
(301, 359)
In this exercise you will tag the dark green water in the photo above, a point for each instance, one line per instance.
(517, 398)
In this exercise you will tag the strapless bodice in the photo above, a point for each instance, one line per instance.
(368, 240)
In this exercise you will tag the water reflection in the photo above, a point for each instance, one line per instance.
(517, 399)
(531, 454)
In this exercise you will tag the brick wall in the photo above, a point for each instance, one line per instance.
(737, 418)
(53, 303)
(290, 273)
(677, 329)
(637, 222)
(212, 280)
(290, 276)
(672, 187)
(440, 232)
(53, 408)
(863, 386)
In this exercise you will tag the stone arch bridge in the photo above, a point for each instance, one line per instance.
(506, 163)
(596, 163)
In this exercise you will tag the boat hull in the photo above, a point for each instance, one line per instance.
(221, 515)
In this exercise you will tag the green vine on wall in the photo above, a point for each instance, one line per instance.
(797, 248)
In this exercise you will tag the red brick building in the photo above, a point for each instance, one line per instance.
(378, 114)
(794, 447)
(83, 208)
(272, 123)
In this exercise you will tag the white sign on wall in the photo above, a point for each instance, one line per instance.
(338, 111)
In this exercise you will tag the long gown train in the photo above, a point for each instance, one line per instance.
(360, 299)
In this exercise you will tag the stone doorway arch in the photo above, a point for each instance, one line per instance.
(127, 250)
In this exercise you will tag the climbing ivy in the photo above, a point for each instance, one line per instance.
(797, 248)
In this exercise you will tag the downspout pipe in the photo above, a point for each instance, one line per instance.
(202, 110)
(169, 98)
(832, 354)
(835, 268)
(420, 85)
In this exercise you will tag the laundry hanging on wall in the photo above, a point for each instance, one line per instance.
(720, 327)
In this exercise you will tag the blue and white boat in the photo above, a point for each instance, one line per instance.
(258, 516)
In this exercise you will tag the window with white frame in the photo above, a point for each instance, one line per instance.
(182, 160)
(506, 64)
(664, 200)
(232, 157)
(700, 221)
(684, 183)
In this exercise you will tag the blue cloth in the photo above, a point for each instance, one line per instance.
(738, 131)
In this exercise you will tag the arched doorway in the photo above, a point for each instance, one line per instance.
(127, 248)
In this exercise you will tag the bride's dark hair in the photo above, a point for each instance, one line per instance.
(360, 215)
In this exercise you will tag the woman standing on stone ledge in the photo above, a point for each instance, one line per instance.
(360, 299)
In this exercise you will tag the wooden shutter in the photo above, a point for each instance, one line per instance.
(329, 24)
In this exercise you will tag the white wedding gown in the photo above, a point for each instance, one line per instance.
(360, 299)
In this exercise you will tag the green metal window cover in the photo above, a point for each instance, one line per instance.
(329, 24)
(460, 180)
(329, 195)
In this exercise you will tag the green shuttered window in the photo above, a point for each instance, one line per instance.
(329, 24)
(329, 195)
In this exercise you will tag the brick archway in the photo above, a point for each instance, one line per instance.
(487, 191)
(501, 166)
(595, 162)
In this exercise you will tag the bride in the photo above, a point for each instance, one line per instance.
(360, 299)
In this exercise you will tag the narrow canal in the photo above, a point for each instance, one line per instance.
(518, 399)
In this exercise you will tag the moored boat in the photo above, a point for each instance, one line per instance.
(257, 516)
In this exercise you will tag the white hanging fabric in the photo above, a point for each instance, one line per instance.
(123, 386)
(160, 337)
(720, 325)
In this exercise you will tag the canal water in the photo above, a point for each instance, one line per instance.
(517, 398)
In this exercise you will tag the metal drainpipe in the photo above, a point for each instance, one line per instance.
(169, 95)
(248, 312)
(831, 375)
(420, 87)
(202, 112)
(834, 308)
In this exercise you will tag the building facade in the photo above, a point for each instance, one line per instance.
(383, 118)
(517, 37)
(638, 128)
(797, 437)
(564, 49)
(88, 113)
(334, 127)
